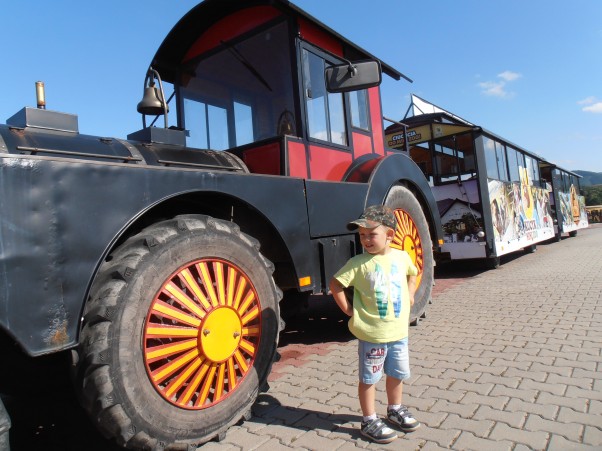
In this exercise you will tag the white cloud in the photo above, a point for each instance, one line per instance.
(587, 101)
(592, 105)
(509, 75)
(497, 88)
(493, 88)
(594, 108)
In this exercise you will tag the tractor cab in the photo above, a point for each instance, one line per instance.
(249, 78)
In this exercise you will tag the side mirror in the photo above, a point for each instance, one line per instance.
(353, 76)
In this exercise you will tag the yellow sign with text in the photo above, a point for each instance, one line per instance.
(417, 135)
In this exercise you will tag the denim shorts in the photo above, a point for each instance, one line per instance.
(391, 357)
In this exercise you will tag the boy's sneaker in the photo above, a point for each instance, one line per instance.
(404, 419)
(378, 431)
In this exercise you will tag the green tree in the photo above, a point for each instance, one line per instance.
(593, 194)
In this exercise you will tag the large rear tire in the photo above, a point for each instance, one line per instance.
(179, 334)
(412, 235)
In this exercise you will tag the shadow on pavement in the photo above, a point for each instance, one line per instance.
(268, 410)
(321, 322)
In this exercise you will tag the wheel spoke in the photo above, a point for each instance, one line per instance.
(251, 315)
(248, 299)
(231, 286)
(179, 382)
(171, 367)
(193, 286)
(218, 269)
(208, 283)
(239, 292)
(194, 385)
(219, 385)
(242, 363)
(164, 351)
(162, 331)
(251, 331)
(231, 374)
(206, 386)
(248, 347)
(171, 312)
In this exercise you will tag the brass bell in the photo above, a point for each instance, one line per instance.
(151, 103)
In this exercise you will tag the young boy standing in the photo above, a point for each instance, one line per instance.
(384, 283)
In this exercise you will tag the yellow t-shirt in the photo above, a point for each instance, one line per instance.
(381, 304)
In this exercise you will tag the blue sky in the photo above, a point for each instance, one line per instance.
(529, 71)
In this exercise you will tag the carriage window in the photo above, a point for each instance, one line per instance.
(532, 171)
(514, 163)
(495, 159)
(500, 152)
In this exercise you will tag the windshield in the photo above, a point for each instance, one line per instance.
(240, 93)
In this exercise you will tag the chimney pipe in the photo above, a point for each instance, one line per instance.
(40, 95)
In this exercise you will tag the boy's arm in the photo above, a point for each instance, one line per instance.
(412, 288)
(338, 294)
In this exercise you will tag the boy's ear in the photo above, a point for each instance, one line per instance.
(390, 233)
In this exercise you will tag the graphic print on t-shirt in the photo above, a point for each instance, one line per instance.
(385, 288)
(396, 289)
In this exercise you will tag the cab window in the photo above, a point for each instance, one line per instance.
(325, 111)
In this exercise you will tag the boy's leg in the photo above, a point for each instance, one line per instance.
(373, 427)
(397, 368)
(394, 390)
(371, 359)
(367, 395)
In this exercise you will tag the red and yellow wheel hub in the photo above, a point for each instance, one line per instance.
(407, 238)
(201, 335)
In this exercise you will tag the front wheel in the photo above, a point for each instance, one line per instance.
(412, 235)
(179, 334)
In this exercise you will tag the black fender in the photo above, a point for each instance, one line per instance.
(381, 173)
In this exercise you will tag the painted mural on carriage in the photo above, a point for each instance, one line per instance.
(520, 212)
(572, 209)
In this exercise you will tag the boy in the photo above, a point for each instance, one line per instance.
(384, 283)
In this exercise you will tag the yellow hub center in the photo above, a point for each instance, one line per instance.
(408, 246)
(220, 334)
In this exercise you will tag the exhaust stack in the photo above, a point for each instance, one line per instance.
(40, 95)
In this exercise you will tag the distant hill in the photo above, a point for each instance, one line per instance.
(589, 178)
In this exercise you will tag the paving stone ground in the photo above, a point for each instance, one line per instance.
(506, 359)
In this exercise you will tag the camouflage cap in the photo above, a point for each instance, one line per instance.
(374, 216)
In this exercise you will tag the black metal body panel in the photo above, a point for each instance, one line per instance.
(46, 119)
(34, 141)
(59, 218)
(331, 205)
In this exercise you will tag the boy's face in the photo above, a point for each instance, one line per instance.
(376, 240)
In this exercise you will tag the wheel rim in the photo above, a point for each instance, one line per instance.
(201, 335)
(407, 238)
